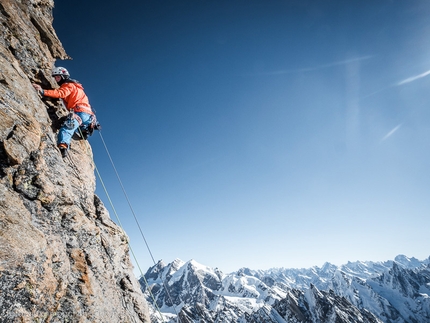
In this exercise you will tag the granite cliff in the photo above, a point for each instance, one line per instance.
(62, 259)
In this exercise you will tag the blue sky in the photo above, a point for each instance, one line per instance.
(260, 133)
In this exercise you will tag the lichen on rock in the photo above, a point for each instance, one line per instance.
(62, 259)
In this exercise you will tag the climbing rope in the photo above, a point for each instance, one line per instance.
(87, 145)
(137, 222)
(119, 221)
(126, 197)
(140, 229)
(129, 245)
(73, 166)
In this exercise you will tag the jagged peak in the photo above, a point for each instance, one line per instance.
(245, 271)
(193, 263)
(407, 262)
(159, 265)
(312, 294)
(328, 267)
(176, 264)
(154, 271)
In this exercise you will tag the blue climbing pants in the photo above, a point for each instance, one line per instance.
(65, 134)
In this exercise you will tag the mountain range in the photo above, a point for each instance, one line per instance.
(393, 291)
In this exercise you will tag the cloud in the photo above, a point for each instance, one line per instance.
(389, 134)
(413, 78)
(318, 67)
(405, 81)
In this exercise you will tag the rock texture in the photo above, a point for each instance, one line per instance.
(61, 257)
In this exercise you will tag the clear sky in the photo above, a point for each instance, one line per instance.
(262, 133)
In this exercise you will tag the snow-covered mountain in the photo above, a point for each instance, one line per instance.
(394, 291)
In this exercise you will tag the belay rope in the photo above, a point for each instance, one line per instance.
(96, 125)
(137, 222)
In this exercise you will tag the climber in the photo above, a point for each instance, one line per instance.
(75, 101)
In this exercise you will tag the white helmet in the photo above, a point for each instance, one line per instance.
(61, 71)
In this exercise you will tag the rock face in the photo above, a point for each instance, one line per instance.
(61, 257)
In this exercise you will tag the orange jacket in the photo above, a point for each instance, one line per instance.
(73, 96)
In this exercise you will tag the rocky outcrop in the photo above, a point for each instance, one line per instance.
(61, 257)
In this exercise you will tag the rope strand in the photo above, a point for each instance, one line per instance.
(126, 197)
(119, 222)
(121, 226)
(138, 225)
(129, 245)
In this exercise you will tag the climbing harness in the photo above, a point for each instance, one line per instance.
(84, 131)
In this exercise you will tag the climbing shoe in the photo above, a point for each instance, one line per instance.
(63, 149)
(63, 152)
